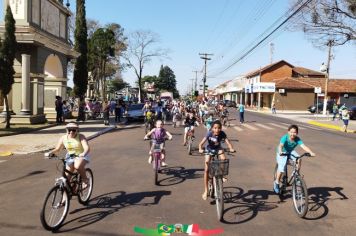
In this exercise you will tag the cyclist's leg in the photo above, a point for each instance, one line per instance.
(222, 156)
(186, 129)
(79, 165)
(281, 162)
(206, 176)
(192, 130)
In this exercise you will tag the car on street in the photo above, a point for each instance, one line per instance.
(135, 112)
(352, 112)
(329, 107)
(229, 103)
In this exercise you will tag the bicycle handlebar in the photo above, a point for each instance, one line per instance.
(48, 155)
(306, 154)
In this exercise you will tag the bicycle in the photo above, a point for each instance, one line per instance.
(190, 139)
(176, 118)
(156, 162)
(217, 169)
(56, 204)
(225, 120)
(149, 125)
(299, 187)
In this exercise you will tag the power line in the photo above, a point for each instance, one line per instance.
(266, 37)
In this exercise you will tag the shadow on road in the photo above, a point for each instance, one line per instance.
(37, 172)
(245, 206)
(318, 201)
(178, 175)
(110, 203)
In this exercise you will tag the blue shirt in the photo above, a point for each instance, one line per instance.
(289, 145)
(242, 108)
(214, 141)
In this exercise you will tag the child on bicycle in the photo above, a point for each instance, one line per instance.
(189, 124)
(74, 143)
(214, 137)
(158, 136)
(287, 144)
(209, 121)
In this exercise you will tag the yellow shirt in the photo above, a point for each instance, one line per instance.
(73, 145)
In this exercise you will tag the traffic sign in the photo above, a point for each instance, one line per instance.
(317, 89)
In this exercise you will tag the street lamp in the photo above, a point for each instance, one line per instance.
(324, 69)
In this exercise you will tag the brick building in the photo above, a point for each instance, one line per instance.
(289, 87)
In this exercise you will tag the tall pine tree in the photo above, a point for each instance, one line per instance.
(80, 77)
(7, 57)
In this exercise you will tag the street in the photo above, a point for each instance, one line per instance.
(125, 196)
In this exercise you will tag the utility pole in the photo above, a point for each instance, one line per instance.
(192, 90)
(196, 79)
(205, 57)
(329, 44)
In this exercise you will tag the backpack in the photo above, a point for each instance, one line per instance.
(158, 135)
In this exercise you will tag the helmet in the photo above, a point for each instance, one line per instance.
(72, 125)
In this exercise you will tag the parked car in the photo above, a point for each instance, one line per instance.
(352, 112)
(229, 103)
(134, 111)
(329, 107)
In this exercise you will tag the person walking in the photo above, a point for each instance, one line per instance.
(335, 111)
(59, 109)
(118, 112)
(242, 111)
(345, 118)
(274, 108)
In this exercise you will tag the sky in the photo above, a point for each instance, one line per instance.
(224, 28)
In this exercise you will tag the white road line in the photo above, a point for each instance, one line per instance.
(279, 126)
(249, 127)
(290, 124)
(238, 128)
(310, 127)
(264, 126)
(2, 161)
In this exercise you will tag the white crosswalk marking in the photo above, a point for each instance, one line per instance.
(238, 128)
(309, 127)
(290, 124)
(277, 125)
(2, 161)
(249, 127)
(264, 126)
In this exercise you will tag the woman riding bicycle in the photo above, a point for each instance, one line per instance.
(214, 138)
(287, 144)
(75, 144)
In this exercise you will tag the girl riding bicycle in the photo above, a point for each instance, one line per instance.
(74, 143)
(214, 137)
(287, 144)
(158, 136)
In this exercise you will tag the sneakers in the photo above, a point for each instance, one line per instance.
(163, 164)
(150, 159)
(276, 187)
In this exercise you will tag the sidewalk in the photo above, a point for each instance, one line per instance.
(316, 120)
(45, 139)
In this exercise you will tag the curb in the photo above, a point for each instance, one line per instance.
(29, 131)
(89, 138)
(333, 127)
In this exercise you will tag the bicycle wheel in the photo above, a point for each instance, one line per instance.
(55, 208)
(219, 199)
(190, 143)
(84, 194)
(156, 167)
(300, 196)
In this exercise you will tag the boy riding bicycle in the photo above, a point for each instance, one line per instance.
(189, 124)
(214, 137)
(287, 145)
(158, 136)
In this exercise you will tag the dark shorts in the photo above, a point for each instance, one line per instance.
(346, 122)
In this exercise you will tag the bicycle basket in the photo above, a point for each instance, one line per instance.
(219, 167)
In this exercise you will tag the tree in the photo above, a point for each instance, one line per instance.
(101, 52)
(325, 20)
(167, 80)
(116, 85)
(7, 57)
(80, 76)
(139, 53)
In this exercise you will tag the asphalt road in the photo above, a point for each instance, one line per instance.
(124, 194)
